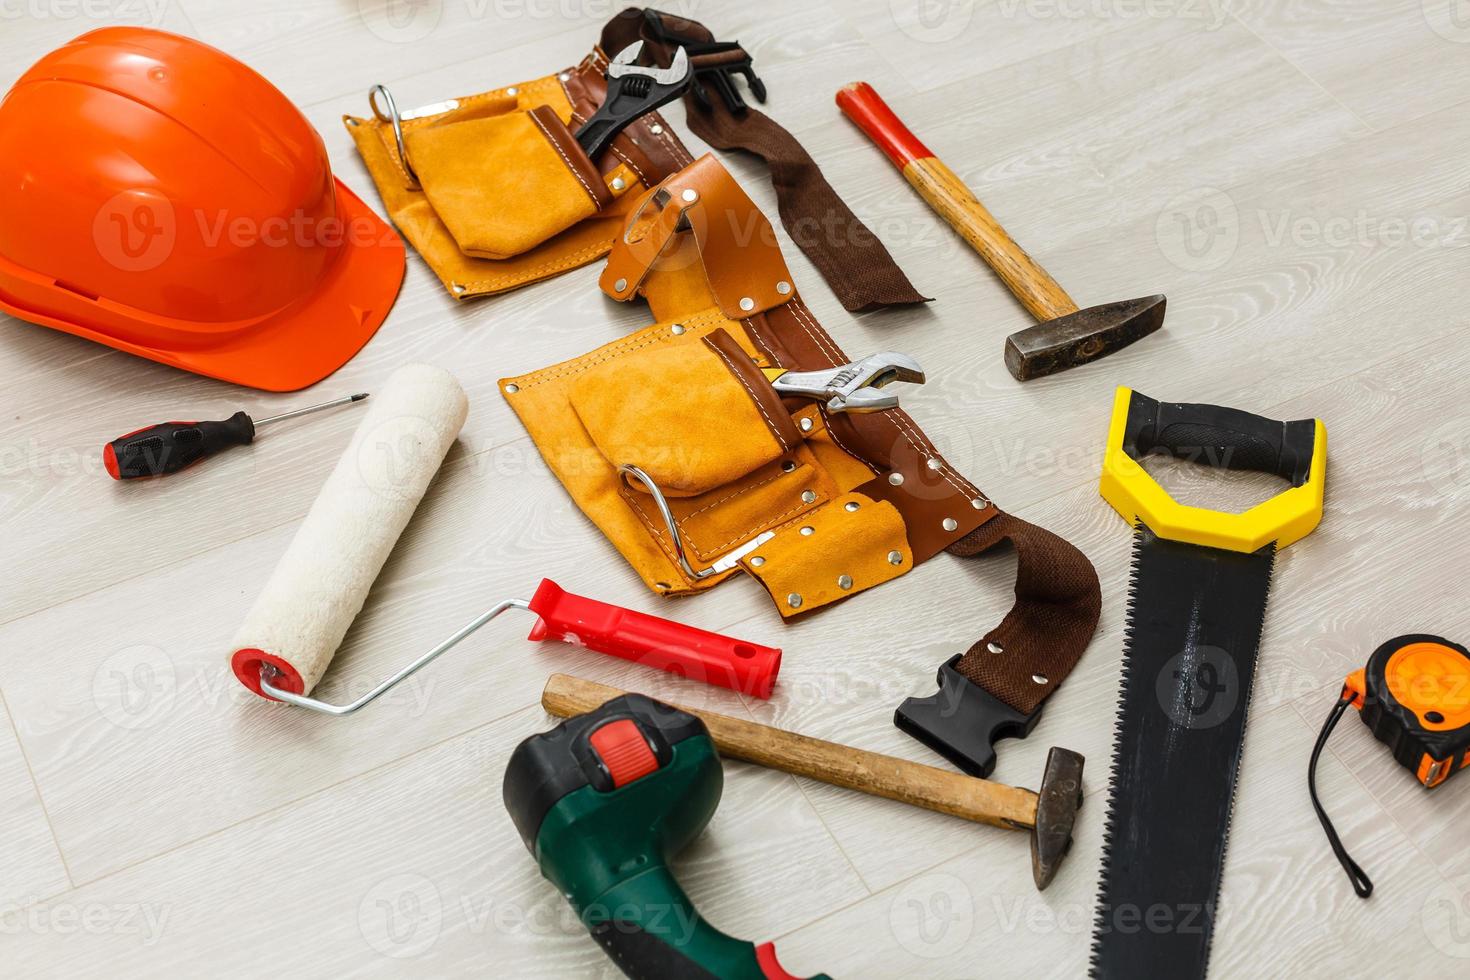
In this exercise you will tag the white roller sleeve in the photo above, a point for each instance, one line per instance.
(320, 584)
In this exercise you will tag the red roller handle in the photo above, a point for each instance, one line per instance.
(694, 653)
(860, 103)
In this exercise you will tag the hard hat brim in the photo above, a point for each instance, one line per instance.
(302, 344)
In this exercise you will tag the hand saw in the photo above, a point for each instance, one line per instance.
(1197, 603)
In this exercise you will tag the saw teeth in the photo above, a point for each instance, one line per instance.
(1114, 766)
(1226, 581)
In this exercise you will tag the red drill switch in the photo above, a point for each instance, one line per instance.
(624, 751)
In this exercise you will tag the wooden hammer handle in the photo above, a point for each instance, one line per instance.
(1043, 298)
(840, 765)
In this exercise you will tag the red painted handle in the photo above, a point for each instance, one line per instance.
(694, 653)
(860, 103)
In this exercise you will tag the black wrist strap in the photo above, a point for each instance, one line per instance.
(1361, 884)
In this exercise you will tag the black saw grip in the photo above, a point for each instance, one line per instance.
(1225, 438)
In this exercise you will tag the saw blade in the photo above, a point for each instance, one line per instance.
(1194, 626)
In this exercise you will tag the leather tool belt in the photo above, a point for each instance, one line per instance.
(494, 191)
(676, 444)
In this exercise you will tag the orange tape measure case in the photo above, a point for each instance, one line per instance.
(1414, 695)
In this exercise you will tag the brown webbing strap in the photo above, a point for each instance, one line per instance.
(1058, 602)
(852, 260)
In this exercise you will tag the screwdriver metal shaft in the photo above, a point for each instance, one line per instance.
(314, 408)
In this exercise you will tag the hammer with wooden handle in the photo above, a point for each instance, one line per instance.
(1066, 336)
(1047, 815)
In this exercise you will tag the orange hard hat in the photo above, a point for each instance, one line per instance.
(164, 199)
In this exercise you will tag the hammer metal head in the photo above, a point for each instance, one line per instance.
(1080, 337)
(1057, 804)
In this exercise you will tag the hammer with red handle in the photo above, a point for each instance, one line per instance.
(1065, 336)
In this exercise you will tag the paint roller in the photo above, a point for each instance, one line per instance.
(289, 636)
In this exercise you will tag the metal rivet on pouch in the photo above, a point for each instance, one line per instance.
(979, 503)
(458, 289)
(794, 600)
(995, 647)
(676, 329)
(933, 463)
(895, 558)
(783, 287)
(757, 562)
(747, 304)
(806, 425)
(352, 122)
(850, 506)
(619, 183)
(512, 389)
(656, 129)
(1039, 678)
(620, 285)
(808, 496)
(844, 582)
(808, 531)
(690, 195)
(789, 466)
(663, 586)
(896, 479)
(950, 523)
(565, 76)
(512, 91)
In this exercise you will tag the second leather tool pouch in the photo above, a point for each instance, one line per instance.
(504, 183)
(493, 190)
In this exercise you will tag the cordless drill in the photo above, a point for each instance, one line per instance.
(603, 802)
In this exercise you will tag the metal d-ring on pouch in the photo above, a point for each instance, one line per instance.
(395, 120)
(724, 564)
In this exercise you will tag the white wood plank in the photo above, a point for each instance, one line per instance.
(417, 867)
(1414, 48)
(33, 865)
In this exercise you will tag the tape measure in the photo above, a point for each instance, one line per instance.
(1414, 695)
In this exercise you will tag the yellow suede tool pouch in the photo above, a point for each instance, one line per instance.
(691, 418)
(504, 184)
(675, 443)
(493, 190)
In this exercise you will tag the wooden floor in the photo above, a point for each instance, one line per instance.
(1292, 173)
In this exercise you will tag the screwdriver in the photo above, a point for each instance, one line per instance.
(170, 446)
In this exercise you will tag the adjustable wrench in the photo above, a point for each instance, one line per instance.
(852, 387)
(632, 91)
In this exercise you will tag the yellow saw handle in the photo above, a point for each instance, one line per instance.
(1225, 438)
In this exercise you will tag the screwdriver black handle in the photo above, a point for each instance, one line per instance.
(170, 446)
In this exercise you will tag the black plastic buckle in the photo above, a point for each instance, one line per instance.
(722, 77)
(963, 721)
